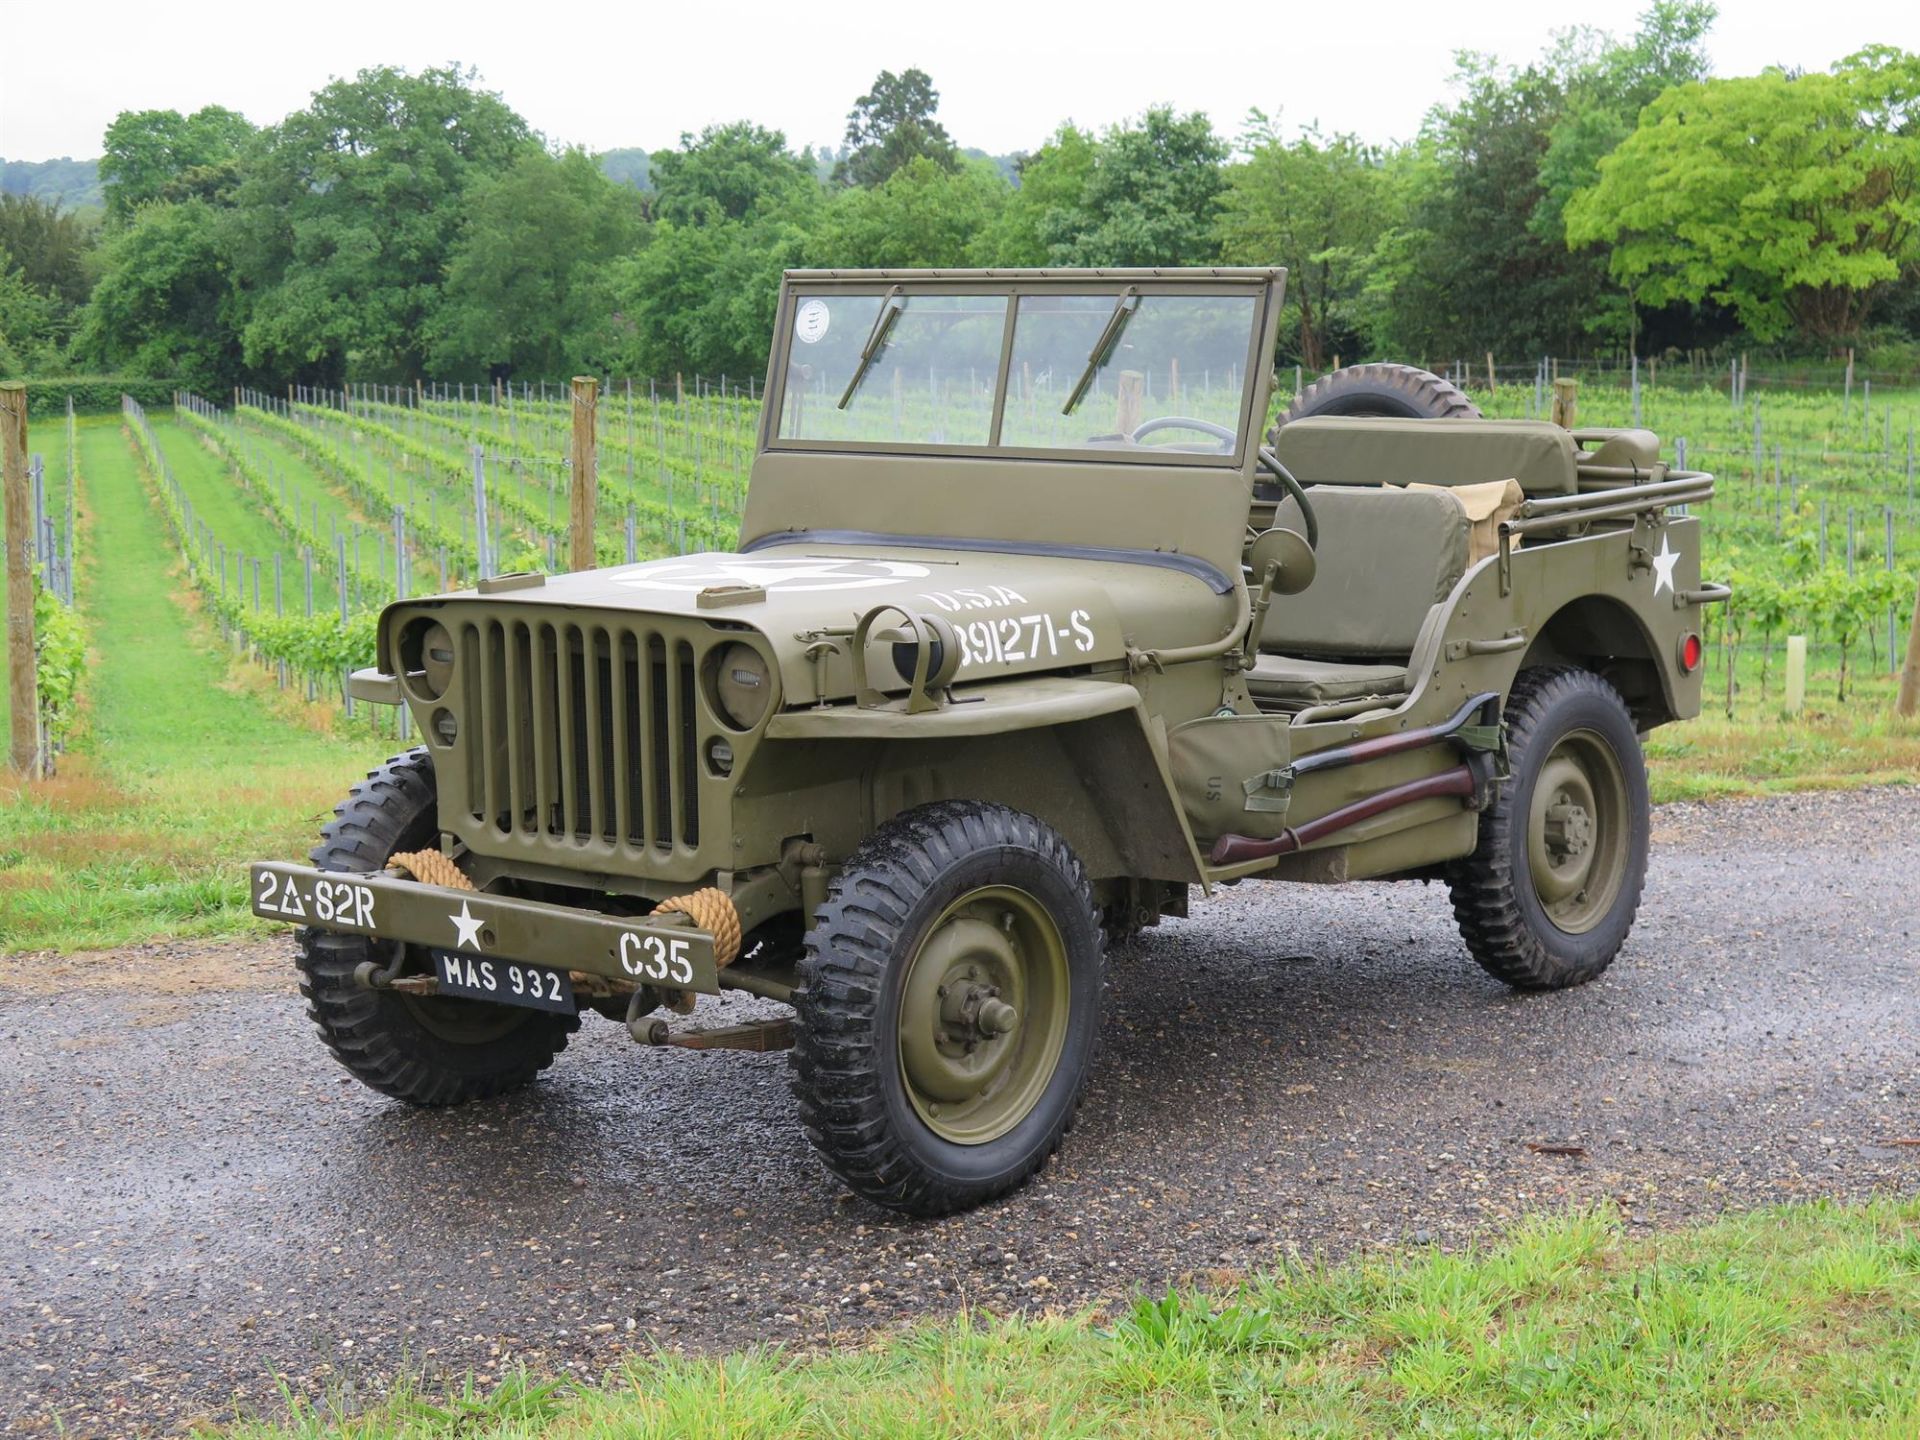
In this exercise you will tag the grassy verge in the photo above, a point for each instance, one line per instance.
(1832, 744)
(1802, 1321)
(190, 765)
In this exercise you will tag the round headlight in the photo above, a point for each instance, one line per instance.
(743, 686)
(426, 658)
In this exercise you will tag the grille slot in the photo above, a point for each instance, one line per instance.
(581, 732)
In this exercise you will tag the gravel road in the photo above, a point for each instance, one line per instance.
(197, 1205)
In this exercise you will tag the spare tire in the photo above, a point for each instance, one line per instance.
(1403, 392)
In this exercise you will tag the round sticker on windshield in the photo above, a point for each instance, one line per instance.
(810, 325)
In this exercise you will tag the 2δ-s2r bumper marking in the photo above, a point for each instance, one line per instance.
(670, 951)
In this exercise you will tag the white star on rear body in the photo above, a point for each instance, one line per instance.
(1663, 564)
(468, 927)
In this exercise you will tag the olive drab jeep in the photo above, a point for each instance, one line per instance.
(1032, 630)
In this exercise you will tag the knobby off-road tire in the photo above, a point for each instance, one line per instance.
(426, 1050)
(915, 1091)
(1398, 391)
(1547, 897)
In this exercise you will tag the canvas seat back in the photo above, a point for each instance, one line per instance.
(1344, 450)
(1385, 558)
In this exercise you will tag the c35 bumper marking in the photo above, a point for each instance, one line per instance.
(464, 922)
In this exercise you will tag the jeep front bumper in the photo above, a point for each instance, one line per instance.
(668, 951)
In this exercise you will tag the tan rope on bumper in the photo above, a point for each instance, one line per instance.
(712, 910)
(430, 867)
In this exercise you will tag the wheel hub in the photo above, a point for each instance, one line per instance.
(981, 1014)
(1569, 828)
(1577, 832)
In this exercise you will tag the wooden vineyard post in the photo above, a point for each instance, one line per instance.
(24, 752)
(1129, 400)
(1492, 389)
(1565, 402)
(1908, 701)
(586, 472)
(1796, 674)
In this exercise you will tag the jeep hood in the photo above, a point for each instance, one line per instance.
(1014, 612)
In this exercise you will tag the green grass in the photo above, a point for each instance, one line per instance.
(245, 528)
(1833, 743)
(1802, 1321)
(190, 765)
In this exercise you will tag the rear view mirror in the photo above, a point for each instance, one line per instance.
(1289, 552)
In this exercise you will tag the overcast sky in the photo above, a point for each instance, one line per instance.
(605, 75)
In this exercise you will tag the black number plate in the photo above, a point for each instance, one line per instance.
(505, 982)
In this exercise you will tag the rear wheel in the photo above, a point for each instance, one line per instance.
(424, 1049)
(949, 1007)
(1548, 896)
(1403, 392)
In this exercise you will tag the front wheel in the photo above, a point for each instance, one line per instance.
(949, 1007)
(424, 1049)
(1547, 897)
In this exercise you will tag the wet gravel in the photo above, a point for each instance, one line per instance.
(197, 1205)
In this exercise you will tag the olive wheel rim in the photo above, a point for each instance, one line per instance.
(1578, 832)
(460, 1021)
(983, 1015)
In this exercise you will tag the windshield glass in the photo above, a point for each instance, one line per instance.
(1107, 368)
(1177, 356)
(929, 381)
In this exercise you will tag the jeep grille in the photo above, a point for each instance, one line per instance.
(581, 732)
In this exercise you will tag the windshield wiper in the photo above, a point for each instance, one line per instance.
(876, 341)
(1110, 334)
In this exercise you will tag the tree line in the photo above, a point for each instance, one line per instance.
(1609, 195)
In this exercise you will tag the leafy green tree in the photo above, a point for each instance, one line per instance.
(164, 155)
(892, 125)
(164, 304)
(350, 210)
(1149, 197)
(737, 171)
(526, 285)
(1052, 186)
(52, 246)
(1478, 258)
(1795, 199)
(29, 321)
(1315, 205)
(699, 299)
(921, 215)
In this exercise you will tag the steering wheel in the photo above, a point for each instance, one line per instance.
(1225, 436)
(1295, 489)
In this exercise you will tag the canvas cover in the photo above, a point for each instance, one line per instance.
(1486, 506)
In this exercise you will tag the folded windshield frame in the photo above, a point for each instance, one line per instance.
(803, 291)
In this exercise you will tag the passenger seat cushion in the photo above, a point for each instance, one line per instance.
(1298, 681)
(1385, 558)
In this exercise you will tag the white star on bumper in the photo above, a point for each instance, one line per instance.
(468, 927)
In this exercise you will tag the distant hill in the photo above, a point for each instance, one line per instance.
(632, 165)
(74, 183)
(629, 166)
